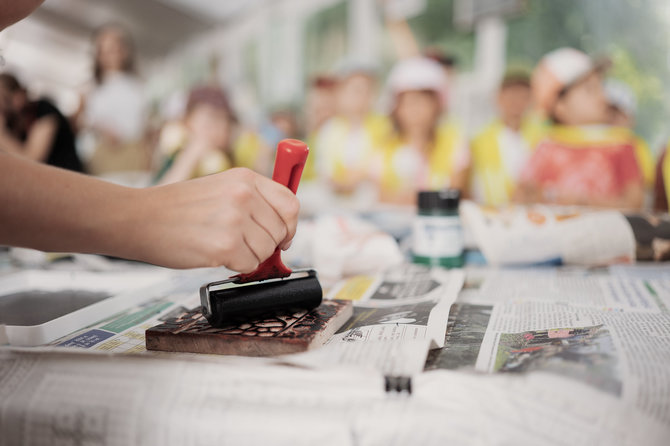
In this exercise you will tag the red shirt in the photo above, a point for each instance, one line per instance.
(590, 172)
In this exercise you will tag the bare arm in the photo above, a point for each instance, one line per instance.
(38, 142)
(403, 39)
(183, 167)
(12, 11)
(235, 218)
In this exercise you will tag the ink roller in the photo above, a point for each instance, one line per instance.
(272, 286)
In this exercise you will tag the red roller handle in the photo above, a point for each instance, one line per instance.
(289, 164)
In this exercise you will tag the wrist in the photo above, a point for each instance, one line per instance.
(122, 223)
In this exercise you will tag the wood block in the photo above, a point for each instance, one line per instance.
(289, 331)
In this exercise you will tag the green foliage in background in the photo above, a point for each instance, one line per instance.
(435, 28)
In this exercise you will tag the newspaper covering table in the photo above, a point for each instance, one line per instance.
(530, 356)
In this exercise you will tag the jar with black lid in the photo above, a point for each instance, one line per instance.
(437, 232)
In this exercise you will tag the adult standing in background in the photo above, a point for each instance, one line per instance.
(113, 114)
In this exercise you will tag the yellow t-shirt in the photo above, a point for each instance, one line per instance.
(491, 175)
(342, 148)
(402, 168)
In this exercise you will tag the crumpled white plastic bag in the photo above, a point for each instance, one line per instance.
(339, 246)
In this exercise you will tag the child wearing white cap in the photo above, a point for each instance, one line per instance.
(583, 160)
(623, 107)
(422, 151)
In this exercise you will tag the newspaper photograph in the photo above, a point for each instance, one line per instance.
(407, 302)
(465, 333)
(618, 351)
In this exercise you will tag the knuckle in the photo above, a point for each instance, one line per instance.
(227, 246)
(244, 174)
(241, 193)
(293, 208)
(234, 221)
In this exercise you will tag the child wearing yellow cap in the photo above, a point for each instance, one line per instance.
(583, 160)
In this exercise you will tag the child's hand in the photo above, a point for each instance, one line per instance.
(236, 219)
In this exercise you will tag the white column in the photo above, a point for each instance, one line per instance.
(364, 29)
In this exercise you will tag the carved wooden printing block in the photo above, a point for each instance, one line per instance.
(283, 332)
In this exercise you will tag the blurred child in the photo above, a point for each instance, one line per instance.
(201, 144)
(319, 109)
(622, 107)
(345, 144)
(501, 150)
(662, 182)
(36, 130)
(320, 105)
(583, 160)
(422, 151)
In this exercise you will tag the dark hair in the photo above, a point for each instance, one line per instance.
(210, 95)
(10, 82)
(515, 78)
(439, 56)
(128, 65)
(323, 82)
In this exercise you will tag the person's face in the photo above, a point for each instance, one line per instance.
(355, 94)
(513, 101)
(417, 111)
(111, 50)
(584, 103)
(286, 124)
(210, 125)
(320, 106)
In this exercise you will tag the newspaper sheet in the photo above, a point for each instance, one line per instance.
(135, 400)
(398, 316)
(124, 332)
(404, 303)
(606, 332)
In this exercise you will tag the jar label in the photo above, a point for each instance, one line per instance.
(437, 236)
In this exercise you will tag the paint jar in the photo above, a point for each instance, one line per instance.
(437, 232)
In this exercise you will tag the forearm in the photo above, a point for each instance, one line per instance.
(54, 210)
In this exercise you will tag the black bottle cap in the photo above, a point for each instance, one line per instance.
(445, 199)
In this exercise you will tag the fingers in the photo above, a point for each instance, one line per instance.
(284, 204)
(264, 215)
(259, 241)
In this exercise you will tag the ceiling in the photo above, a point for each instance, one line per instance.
(51, 49)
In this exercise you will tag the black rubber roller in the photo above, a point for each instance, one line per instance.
(227, 302)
